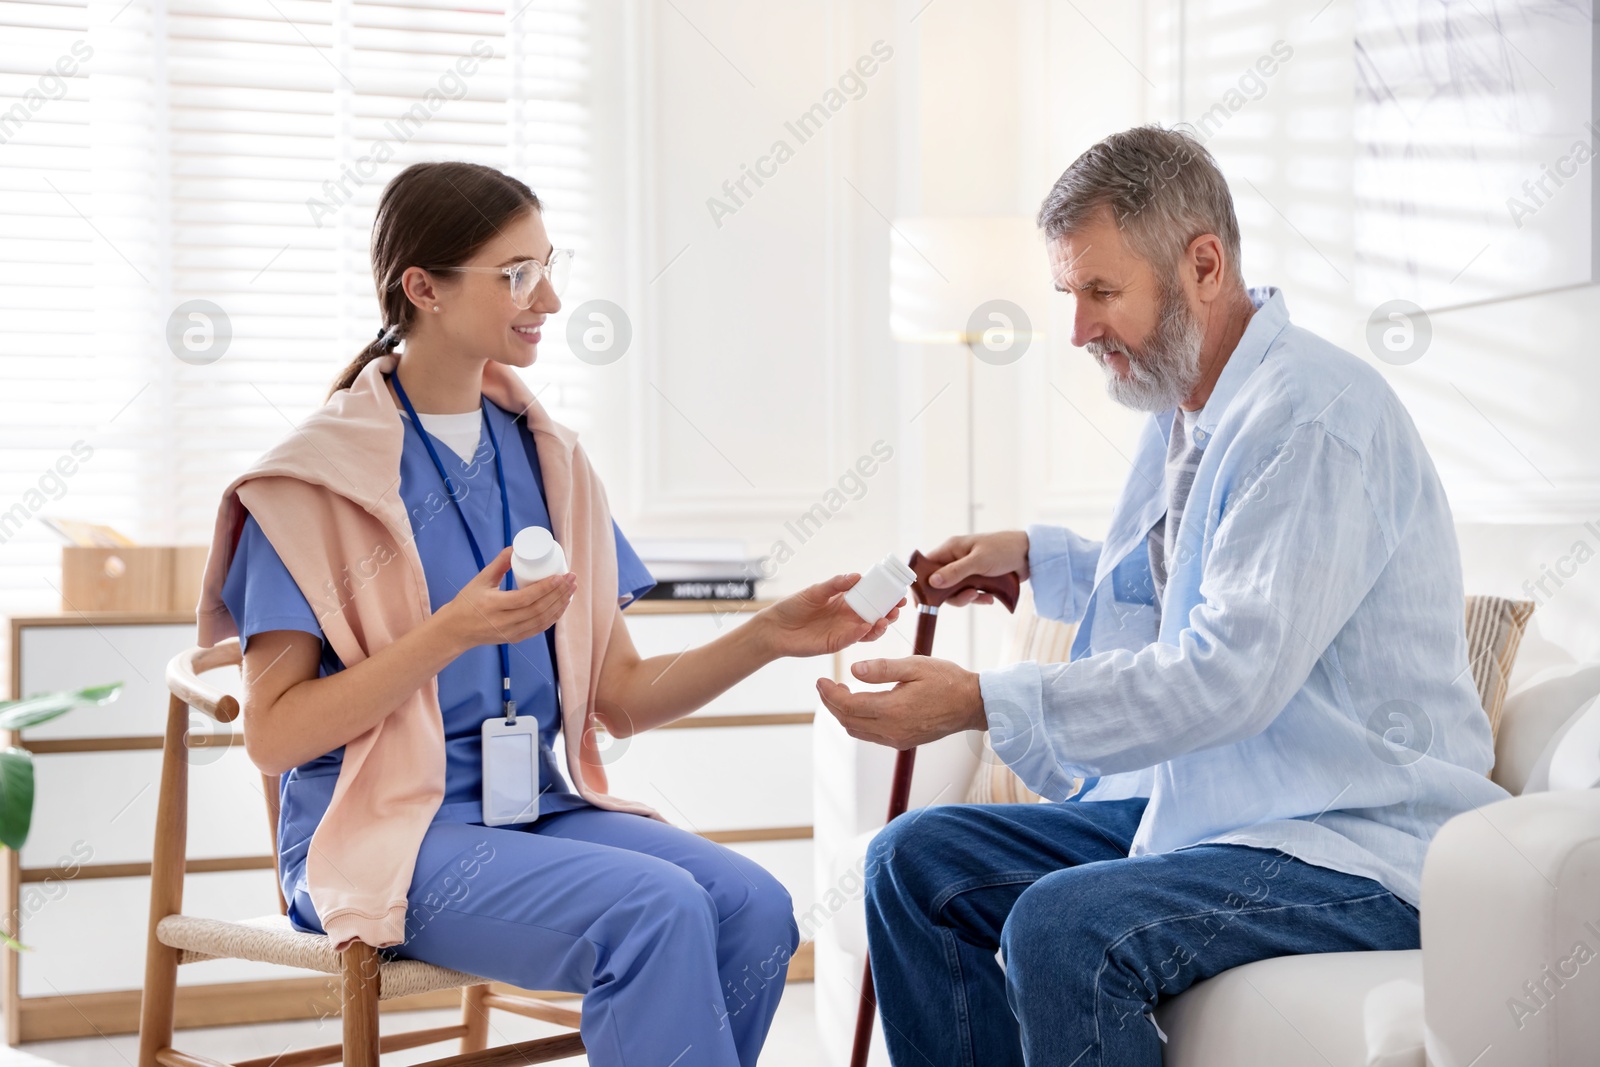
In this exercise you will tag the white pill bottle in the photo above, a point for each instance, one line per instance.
(535, 555)
(880, 589)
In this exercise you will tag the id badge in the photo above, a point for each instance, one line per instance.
(510, 770)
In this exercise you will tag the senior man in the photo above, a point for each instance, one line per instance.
(1269, 711)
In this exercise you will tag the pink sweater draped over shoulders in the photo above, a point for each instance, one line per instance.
(328, 498)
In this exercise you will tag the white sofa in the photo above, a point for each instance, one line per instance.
(1508, 891)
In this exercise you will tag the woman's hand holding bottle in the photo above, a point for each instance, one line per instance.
(817, 621)
(485, 614)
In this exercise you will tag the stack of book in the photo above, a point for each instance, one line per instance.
(699, 568)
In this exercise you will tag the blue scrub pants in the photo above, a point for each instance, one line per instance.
(1092, 939)
(679, 946)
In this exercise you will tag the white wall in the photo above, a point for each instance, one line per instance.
(760, 327)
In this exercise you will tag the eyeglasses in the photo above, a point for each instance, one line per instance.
(525, 275)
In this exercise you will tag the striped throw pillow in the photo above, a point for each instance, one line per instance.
(1494, 631)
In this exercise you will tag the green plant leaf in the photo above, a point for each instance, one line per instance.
(42, 707)
(16, 796)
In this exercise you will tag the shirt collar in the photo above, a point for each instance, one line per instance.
(1272, 315)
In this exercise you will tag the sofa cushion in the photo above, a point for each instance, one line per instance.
(1293, 1011)
(1575, 758)
(1535, 716)
(1396, 1030)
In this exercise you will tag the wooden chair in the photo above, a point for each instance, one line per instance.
(366, 978)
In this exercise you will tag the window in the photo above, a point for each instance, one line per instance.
(158, 152)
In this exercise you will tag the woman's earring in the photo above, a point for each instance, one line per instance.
(436, 307)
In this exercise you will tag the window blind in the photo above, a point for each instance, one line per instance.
(159, 152)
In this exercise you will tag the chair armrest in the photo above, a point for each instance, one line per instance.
(1511, 933)
(183, 679)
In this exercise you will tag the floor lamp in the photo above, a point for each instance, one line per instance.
(978, 281)
(966, 281)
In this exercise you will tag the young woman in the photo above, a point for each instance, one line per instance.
(680, 946)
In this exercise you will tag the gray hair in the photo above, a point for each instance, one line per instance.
(1163, 188)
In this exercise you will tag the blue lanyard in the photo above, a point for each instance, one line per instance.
(505, 518)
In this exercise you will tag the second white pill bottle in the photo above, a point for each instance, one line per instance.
(536, 555)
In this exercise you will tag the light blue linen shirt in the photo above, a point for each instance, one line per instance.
(1303, 683)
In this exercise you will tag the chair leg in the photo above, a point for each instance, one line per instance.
(156, 1005)
(475, 1017)
(360, 966)
(166, 886)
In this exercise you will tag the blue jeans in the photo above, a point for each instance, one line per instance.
(1092, 940)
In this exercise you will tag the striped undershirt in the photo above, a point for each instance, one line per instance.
(1183, 459)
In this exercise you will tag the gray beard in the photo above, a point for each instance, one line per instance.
(1164, 370)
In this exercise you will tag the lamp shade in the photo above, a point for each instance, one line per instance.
(953, 279)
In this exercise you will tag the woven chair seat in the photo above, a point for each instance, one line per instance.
(271, 939)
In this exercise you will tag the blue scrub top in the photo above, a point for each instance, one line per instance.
(261, 595)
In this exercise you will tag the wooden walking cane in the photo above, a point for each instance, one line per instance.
(1005, 589)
